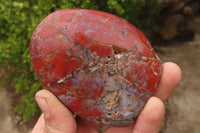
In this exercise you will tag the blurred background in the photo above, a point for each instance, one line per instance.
(172, 27)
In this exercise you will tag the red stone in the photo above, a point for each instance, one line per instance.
(101, 67)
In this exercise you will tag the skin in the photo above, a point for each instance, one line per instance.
(56, 118)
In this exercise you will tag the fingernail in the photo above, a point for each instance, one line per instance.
(43, 106)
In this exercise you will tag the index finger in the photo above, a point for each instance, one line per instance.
(171, 76)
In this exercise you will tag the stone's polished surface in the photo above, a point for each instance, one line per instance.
(100, 67)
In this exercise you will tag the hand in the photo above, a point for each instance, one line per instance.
(56, 118)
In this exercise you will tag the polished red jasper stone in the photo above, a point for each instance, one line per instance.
(100, 66)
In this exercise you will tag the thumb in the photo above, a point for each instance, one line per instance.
(57, 118)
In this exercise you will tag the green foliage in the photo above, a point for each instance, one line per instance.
(141, 13)
(18, 20)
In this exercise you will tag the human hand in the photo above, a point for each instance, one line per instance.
(56, 118)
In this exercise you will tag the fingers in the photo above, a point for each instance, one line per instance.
(56, 117)
(150, 119)
(40, 125)
(171, 77)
